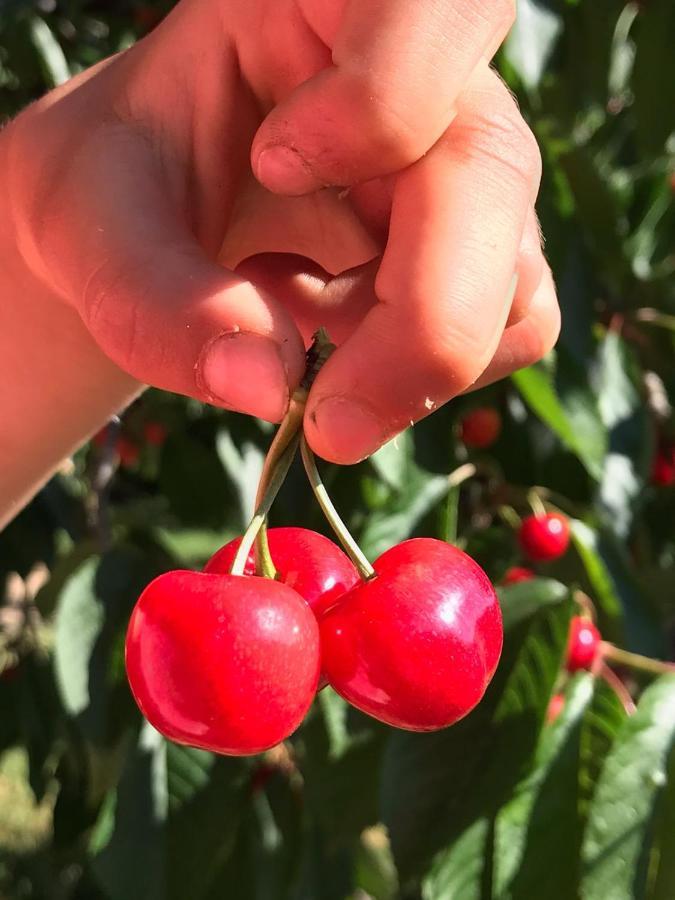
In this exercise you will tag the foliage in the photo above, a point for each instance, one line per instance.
(95, 805)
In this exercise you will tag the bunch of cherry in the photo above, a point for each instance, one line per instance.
(229, 659)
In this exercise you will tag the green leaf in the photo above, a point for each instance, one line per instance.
(616, 591)
(461, 870)
(559, 394)
(627, 420)
(436, 785)
(52, 57)
(531, 41)
(653, 85)
(523, 600)
(627, 817)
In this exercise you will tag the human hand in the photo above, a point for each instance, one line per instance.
(133, 199)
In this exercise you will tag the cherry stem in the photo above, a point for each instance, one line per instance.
(619, 688)
(281, 453)
(536, 503)
(634, 660)
(278, 477)
(586, 604)
(366, 571)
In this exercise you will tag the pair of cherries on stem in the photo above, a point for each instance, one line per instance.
(231, 663)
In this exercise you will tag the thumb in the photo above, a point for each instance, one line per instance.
(121, 251)
(389, 95)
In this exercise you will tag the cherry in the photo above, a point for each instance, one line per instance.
(128, 452)
(417, 645)
(226, 663)
(481, 427)
(308, 562)
(583, 644)
(516, 574)
(663, 469)
(555, 707)
(155, 433)
(544, 537)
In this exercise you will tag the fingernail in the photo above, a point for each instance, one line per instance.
(284, 170)
(346, 431)
(245, 372)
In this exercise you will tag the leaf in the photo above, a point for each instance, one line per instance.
(435, 785)
(335, 711)
(626, 418)
(531, 859)
(460, 871)
(531, 41)
(626, 820)
(560, 396)
(522, 601)
(52, 57)
(616, 591)
(654, 93)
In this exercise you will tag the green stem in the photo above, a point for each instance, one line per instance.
(366, 571)
(635, 660)
(276, 480)
(616, 684)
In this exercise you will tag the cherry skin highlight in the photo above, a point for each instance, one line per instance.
(516, 574)
(306, 561)
(417, 645)
(226, 663)
(583, 644)
(480, 427)
(544, 537)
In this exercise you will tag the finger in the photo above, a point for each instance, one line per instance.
(445, 285)
(116, 244)
(530, 266)
(530, 339)
(397, 70)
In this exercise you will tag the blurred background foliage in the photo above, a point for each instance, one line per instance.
(94, 805)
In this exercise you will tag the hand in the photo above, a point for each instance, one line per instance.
(134, 200)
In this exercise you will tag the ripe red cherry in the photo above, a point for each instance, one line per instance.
(583, 644)
(154, 433)
(663, 469)
(481, 427)
(308, 562)
(222, 662)
(417, 645)
(516, 574)
(544, 537)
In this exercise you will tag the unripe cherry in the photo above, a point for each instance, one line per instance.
(416, 645)
(544, 537)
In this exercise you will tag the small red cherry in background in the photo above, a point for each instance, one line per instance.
(516, 574)
(555, 707)
(308, 562)
(128, 452)
(663, 469)
(416, 645)
(481, 427)
(583, 644)
(155, 433)
(544, 537)
(227, 663)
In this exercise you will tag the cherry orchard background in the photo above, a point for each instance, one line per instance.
(506, 804)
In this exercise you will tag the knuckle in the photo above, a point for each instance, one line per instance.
(110, 312)
(499, 135)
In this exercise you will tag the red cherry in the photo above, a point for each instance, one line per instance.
(308, 562)
(127, 451)
(417, 645)
(516, 574)
(663, 469)
(583, 644)
(222, 662)
(544, 537)
(100, 439)
(555, 707)
(155, 433)
(481, 427)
